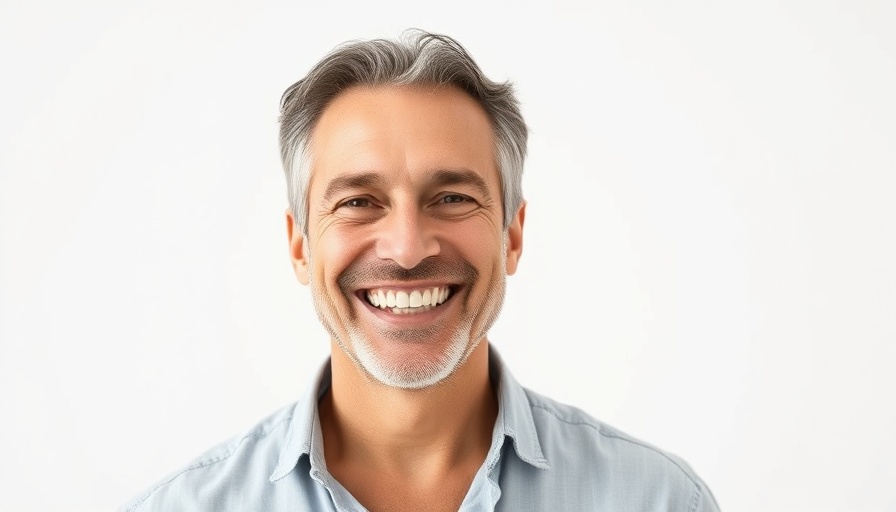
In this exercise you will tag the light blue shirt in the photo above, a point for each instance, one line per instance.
(544, 456)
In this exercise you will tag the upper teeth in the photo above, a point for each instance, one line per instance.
(414, 299)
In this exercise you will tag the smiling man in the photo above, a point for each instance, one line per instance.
(404, 165)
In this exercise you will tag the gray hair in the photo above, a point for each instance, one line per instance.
(419, 58)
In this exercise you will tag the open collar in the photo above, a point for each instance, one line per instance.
(514, 421)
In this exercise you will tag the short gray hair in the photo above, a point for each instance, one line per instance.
(418, 58)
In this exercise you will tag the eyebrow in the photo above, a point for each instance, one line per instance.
(352, 181)
(444, 177)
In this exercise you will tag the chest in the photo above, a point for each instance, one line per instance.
(379, 492)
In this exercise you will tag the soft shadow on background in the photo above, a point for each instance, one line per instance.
(709, 253)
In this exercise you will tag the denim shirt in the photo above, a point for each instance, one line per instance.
(544, 456)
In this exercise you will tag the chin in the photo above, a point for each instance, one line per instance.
(410, 365)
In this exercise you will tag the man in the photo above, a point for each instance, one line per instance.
(406, 215)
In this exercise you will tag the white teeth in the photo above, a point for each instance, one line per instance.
(403, 302)
(411, 311)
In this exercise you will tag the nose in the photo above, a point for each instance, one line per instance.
(407, 238)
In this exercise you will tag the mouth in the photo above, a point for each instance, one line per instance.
(408, 301)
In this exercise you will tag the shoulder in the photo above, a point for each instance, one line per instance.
(553, 416)
(577, 445)
(233, 466)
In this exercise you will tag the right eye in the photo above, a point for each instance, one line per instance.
(359, 209)
(356, 202)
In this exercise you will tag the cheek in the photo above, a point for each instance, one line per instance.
(480, 245)
(334, 252)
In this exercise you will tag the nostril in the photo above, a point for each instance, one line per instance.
(407, 242)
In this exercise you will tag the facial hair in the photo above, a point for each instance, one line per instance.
(416, 373)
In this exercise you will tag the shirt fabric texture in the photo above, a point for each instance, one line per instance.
(544, 456)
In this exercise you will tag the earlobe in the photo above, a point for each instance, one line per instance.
(297, 248)
(515, 239)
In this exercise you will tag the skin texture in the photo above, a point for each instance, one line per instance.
(405, 194)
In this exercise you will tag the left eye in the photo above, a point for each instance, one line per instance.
(453, 198)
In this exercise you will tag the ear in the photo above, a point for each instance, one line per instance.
(297, 248)
(515, 239)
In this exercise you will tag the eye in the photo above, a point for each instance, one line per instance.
(453, 199)
(359, 209)
(454, 205)
(356, 202)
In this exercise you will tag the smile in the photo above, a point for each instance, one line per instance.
(408, 301)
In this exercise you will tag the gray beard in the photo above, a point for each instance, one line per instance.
(409, 374)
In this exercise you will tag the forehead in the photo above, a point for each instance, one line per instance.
(402, 132)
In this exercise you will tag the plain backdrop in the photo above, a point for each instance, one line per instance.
(710, 246)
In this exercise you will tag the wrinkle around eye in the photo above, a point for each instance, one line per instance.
(329, 216)
(324, 223)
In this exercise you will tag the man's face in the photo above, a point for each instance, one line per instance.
(406, 254)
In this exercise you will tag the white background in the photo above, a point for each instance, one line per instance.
(710, 251)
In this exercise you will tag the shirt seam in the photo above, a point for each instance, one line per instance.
(696, 497)
(622, 438)
(211, 461)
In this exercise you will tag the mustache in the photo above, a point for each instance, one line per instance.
(435, 268)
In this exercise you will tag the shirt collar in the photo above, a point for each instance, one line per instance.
(514, 421)
(305, 437)
(514, 416)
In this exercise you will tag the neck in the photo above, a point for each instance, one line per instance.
(414, 432)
